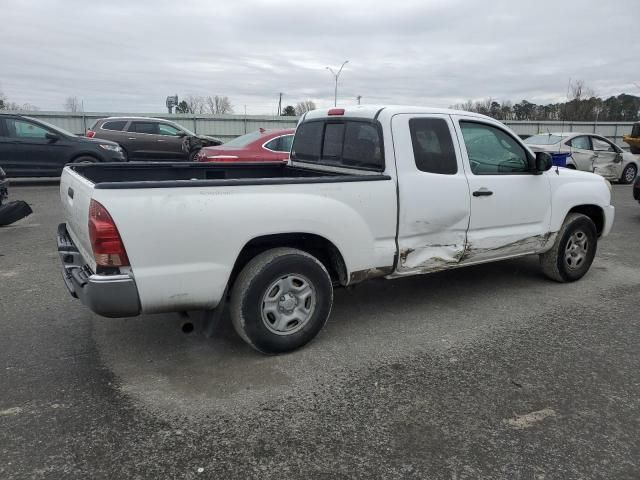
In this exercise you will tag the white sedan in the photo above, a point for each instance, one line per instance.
(589, 152)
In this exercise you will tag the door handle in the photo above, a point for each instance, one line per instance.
(482, 193)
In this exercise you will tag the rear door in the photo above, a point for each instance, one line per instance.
(582, 152)
(433, 193)
(510, 205)
(142, 139)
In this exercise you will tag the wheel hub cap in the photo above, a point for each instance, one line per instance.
(576, 249)
(288, 304)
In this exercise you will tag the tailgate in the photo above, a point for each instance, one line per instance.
(75, 195)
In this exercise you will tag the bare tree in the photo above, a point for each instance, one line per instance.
(219, 105)
(304, 107)
(3, 100)
(72, 104)
(195, 104)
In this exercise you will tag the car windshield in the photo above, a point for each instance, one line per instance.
(244, 140)
(53, 127)
(543, 139)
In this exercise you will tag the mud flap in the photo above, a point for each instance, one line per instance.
(14, 211)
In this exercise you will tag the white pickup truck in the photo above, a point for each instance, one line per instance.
(369, 192)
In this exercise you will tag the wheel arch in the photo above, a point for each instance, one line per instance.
(594, 212)
(318, 246)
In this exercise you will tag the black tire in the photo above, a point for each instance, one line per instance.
(256, 282)
(635, 150)
(14, 211)
(558, 263)
(627, 177)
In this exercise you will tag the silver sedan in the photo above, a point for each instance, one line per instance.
(589, 152)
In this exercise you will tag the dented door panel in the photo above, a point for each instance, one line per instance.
(433, 207)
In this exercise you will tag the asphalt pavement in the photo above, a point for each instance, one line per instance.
(490, 371)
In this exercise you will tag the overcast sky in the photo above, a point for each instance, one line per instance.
(127, 56)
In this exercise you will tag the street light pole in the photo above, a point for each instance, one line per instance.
(337, 75)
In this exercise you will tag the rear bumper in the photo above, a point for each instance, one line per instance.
(106, 295)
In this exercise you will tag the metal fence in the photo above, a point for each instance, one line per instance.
(227, 127)
(224, 127)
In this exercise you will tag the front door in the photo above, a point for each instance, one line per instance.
(169, 142)
(510, 206)
(607, 160)
(433, 193)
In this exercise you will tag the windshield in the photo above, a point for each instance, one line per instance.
(543, 139)
(244, 140)
(53, 127)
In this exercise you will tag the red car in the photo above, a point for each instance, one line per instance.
(260, 146)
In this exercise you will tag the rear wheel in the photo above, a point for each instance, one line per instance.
(629, 174)
(281, 300)
(635, 150)
(573, 251)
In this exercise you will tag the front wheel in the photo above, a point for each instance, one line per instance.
(281, 300)
(573, 251)
(629, 174)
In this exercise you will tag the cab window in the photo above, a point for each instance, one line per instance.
(581, 143)
(144, 127)
(346, 143)
(432, 146)
(492, 151)
(165, 129)
(23, 129)
(601, 145)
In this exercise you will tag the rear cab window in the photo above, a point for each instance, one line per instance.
(346, 143)
(433, 148)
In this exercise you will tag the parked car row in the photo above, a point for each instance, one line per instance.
(590, 153)
(31, 147)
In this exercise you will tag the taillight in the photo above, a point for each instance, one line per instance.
(106, 243)
(90, 133)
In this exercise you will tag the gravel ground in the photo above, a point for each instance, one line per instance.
(485, 372)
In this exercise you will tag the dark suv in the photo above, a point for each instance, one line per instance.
(145, 138)
(30, 147)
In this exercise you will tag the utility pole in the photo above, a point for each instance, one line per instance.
(336, 75)
(359, 97)
(280, 105)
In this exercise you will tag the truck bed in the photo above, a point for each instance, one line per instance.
(166, 175)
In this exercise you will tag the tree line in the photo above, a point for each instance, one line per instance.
(582, 105)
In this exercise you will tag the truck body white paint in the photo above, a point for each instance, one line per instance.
(183, 242)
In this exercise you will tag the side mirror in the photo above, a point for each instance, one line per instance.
(54, 137)
(544, 161)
